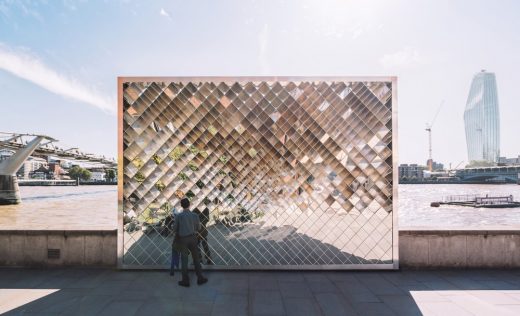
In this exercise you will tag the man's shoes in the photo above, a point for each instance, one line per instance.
(202, 280)
(185, 283)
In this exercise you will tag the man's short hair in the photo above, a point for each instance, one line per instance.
(185, 203)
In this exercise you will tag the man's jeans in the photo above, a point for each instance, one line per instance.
(189, 243)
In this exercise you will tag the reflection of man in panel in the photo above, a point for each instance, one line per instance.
(186, 227)
(203, 232)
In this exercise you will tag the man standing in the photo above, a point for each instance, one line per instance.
(186, 227)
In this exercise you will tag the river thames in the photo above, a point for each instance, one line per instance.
(415, 210)
(95, 207)
(62, 208)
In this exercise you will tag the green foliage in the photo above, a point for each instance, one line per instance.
(204, 154)
(212, 130)
(166, 206)
(176, 153)
(200, 184)
(110, 174)
(190, 195)
(77, 172)
(138, 162)
(193, 166)
(183, 176)
(157, 159)
(258, 214)
(194, 150)
(224, 158)
(480, 163)
(160, 186)
(139, 177)
(148, 216)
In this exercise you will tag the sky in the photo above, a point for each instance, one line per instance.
(59, 60)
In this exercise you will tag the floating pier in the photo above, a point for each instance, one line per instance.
(478, 201)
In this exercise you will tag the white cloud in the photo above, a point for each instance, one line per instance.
(263, 40)
(29, 67)
(164, 13)
(407, 57)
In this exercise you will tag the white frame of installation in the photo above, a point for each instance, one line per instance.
(392, 263)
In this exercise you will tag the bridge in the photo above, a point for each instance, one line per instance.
(25, 145)
(498, 174)
(49, 147)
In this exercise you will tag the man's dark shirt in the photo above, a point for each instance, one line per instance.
(186, 223)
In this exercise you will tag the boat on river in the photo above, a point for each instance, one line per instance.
(478, 201)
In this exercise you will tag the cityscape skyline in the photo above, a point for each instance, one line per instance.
(58, 67)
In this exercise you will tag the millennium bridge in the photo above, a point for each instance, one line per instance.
(23, 146)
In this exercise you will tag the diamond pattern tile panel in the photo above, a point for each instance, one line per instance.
(283, 173)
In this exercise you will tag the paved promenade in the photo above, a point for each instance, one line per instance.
(111, 292)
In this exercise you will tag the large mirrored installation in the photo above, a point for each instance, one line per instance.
(284, 172)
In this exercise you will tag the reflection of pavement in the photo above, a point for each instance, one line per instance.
(306, 239)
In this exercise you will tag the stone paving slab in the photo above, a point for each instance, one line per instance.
(112, 292)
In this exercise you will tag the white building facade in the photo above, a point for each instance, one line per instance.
(97, 175)
(30, 165)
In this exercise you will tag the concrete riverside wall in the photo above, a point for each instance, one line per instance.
(418, 248)
(28, 248)
(430, 249)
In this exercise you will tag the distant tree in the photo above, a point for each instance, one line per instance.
(77, 172)
(480, 163)
(110, 174)
(86, 175)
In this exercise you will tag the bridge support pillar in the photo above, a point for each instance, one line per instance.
(9, 191)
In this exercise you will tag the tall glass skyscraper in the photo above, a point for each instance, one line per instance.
(481, 119)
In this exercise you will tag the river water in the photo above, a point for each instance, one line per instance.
(415, 211)
(95, 207)
(62, 207)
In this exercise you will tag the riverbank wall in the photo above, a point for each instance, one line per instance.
(418, 248)
(459, 248)
(48, 248)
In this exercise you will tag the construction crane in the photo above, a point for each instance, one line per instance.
(452, 171)
(429, 130)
